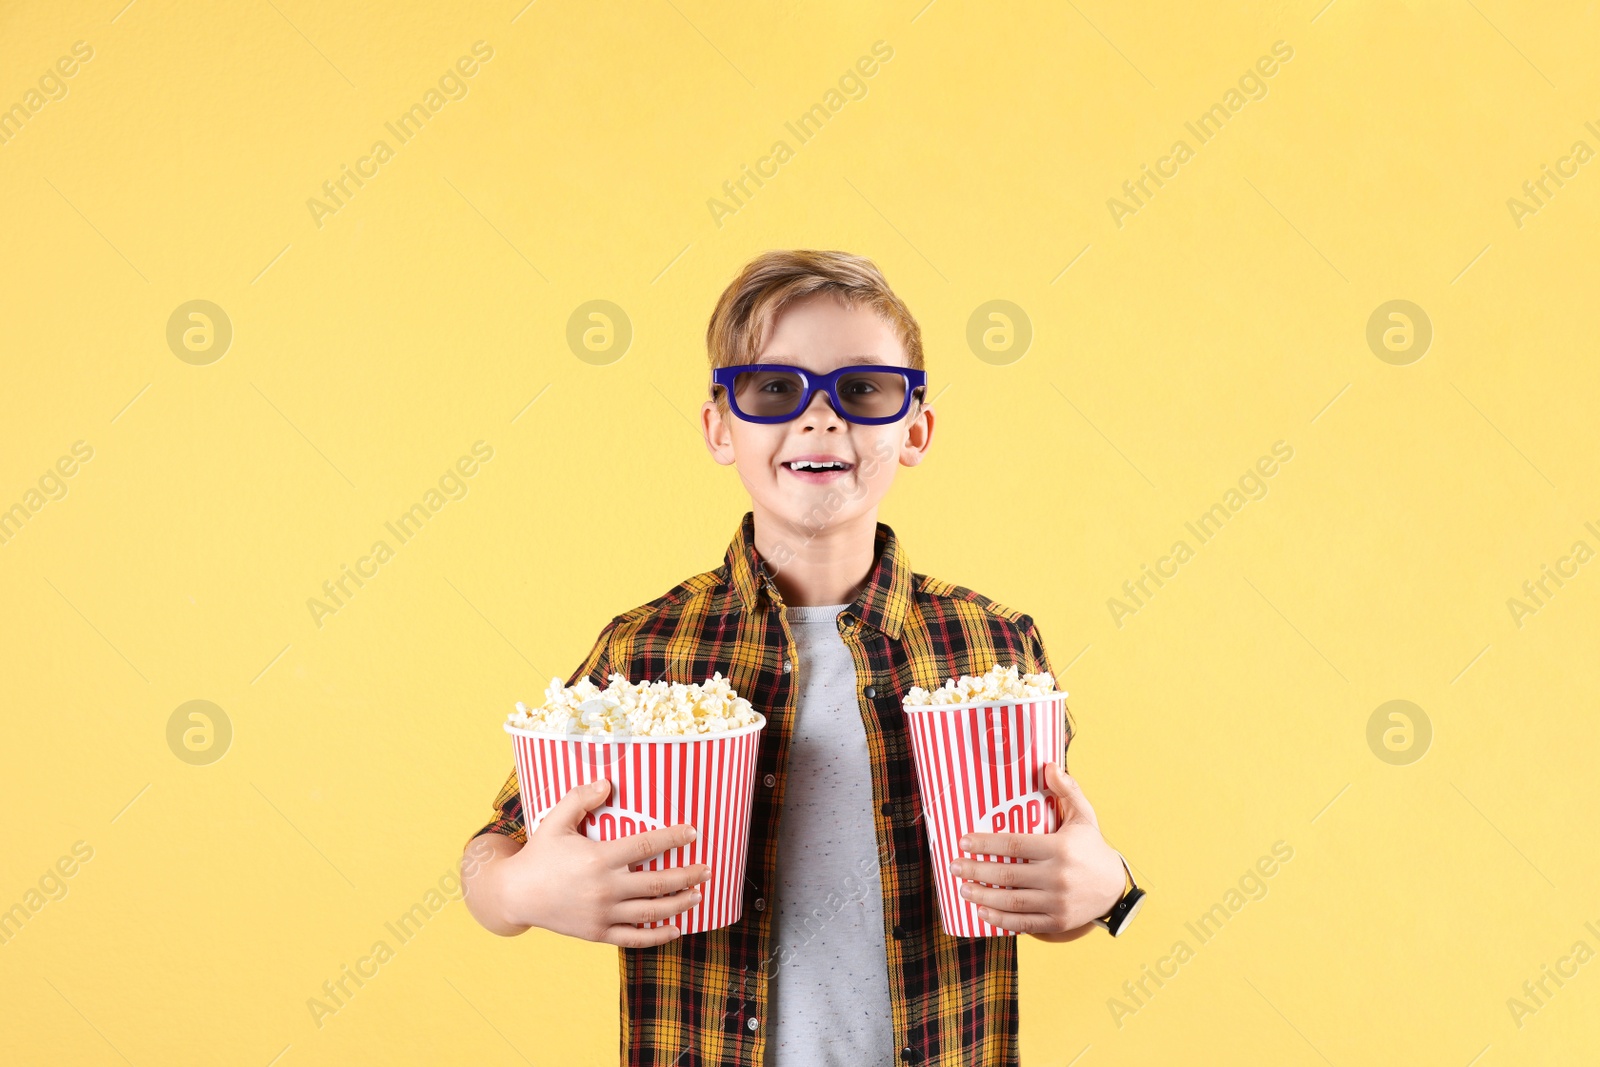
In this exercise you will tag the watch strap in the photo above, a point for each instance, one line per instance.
(1114, 920)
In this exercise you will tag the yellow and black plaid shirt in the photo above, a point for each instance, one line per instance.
(702, 999)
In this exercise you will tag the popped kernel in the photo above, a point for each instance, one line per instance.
(639, 709)
(997, 684)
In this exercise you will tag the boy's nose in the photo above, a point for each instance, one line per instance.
(820, 411)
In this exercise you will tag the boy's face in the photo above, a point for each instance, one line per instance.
(819, 334)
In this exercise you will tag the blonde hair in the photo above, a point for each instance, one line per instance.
(775, 279)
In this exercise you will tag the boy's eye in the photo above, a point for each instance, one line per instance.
(769, 393)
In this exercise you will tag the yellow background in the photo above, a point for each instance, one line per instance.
(368, 354)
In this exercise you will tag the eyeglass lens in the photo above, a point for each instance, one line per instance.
(867, 394)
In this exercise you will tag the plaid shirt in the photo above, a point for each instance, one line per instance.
(703, 998)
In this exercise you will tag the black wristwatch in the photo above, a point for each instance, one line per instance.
(1122, 912)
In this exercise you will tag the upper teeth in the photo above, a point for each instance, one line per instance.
(816, 465)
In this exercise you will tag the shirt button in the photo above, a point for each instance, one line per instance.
(753, 1023)
(770, 780)
(888, 807)
(761, 903)
(899, 932)
(871, 692)
(787, 666)
(909, 1054)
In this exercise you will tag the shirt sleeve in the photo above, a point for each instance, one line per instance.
(1040, 661)
(507, 820)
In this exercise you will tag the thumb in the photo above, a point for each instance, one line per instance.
(577, 802)
(1075, 807)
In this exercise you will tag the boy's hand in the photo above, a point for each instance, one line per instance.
(1073, 879)
(566, 883)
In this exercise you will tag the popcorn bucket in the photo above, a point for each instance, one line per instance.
(980, 768)
(705, 780)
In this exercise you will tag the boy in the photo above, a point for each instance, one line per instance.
(816, 617)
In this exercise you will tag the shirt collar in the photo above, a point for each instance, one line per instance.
(882, 603)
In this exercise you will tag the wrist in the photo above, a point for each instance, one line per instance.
(519, 892)
(1116, 920)
(1118, 881)
(490, 890)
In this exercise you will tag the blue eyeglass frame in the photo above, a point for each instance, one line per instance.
(820, 383)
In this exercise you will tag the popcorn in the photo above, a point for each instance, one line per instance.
(997, 684)
(641, 709)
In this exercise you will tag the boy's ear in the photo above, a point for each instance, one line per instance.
(918, 436)
(719, 439)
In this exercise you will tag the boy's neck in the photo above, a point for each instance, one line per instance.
(827, 566)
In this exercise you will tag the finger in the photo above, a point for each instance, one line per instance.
(1015, 875)
(649, 911)
(1066, 787)
(1021, 901)
(643, 847)
(1017, 846)
(625, 936)
(1020, 922)
(575, 803)
(642, 885)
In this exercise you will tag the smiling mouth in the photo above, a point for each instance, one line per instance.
(804, 466)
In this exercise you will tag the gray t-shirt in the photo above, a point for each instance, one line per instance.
(830, 994)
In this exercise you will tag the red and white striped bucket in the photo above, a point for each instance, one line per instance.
(980, 768)
(705, 780)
